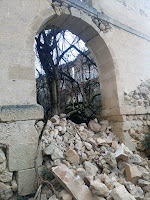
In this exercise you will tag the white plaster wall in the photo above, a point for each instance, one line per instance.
(134, 13)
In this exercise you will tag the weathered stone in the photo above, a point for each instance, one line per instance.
(55, 120)
(26, 181)
(94, 126)
(72, 157)
(65, 195)
(135, 159)
(132, 173)
(102, 27)
(78, 146)
(88, 145)
(74, 185)
(81, 172)
(110, 159)
(57, 154)
(5, 192)
(91, 170)
(143, 183)
(120, 193)
(146, 176)
(53, 198)
(98, 188)
(136, 191)
(6, 176)
(2, 167)
(14, 185)
(104, 124)
(123, 152)
(25, 151)
(2, 156)
(100, 141)
(48, 150)
(98, 198)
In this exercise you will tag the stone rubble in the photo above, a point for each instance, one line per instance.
(88, 162)
(92, 157)
(7, 184)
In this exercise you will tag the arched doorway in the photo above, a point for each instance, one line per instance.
(82, 25)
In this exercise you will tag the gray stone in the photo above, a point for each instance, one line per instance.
(6, 176)
(26, 181)
(98, 188)
(2, 167)
(5, 192)
(57, 154)
(72, 157)
(21, 112)
(2, 156)
(91, 170)
(120, 193)
(94, 126)
(21, 156)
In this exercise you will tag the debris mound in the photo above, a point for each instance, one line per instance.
(89, 163)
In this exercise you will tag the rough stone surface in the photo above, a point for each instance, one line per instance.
(132, 173)
(120, 193)
(65, 195)
(100, 189)
(2, 156)
(94, 126)
(71, 183)
(91, 170)
(26, 181)
(72, 157)
(5, 192)
(25, 151)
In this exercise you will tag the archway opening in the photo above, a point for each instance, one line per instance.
(67, 76)
(82, 26)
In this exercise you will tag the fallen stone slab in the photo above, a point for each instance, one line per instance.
(132, 173)
(71, 183)
(123, 152)
(120, 193)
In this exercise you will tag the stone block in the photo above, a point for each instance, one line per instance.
(129, 142)
(126, 126)
(18, 132)
(120, 193)
(132, 173)
(21, 112)
(26, 181)
(74, 185)
(21, 156)
(121, 153)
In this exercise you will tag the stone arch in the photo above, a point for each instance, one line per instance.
(80, 24)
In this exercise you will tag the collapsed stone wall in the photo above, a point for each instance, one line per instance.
(8, 183)
(140, 96)
(89, 162)
(135, 129)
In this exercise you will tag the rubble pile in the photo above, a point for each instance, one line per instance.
(8, 184)
(89, 163)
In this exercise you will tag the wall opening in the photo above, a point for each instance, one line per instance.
(82, 26)
(67, 76)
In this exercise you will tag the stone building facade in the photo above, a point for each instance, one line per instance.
(118, 35)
